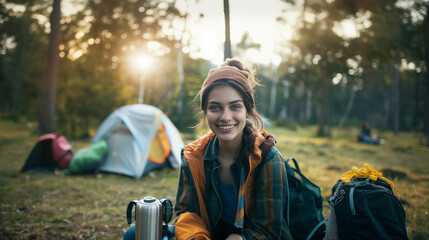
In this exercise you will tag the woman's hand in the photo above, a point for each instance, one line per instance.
(234, 237)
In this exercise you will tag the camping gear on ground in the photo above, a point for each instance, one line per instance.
(50, 152)
(140, 139)
(88, 159)
(363, 206)
(150, 213)
(303, 211)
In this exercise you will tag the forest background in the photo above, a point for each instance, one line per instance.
(325, 77)
(64, 72)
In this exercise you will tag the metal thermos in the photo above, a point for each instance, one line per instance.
(148, 213)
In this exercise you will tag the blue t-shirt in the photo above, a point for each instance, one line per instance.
(229, 202)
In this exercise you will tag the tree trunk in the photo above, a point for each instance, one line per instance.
(181, 79)
(323, 105)
(425, 30)
(391, 105)
(284, 110)
(348, 109)
(308, 101)
(396, 99)
(416, 103)
(20, 71)
(273, 99)
(47, 113)
(227, 50)
(180, 70)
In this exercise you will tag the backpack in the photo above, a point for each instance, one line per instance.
(363, 206)
(303, 211)
(50, 152)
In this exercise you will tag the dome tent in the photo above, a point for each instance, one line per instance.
(140, 138)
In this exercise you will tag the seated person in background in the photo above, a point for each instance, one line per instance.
(366, 137)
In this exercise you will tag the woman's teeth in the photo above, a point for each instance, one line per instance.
(226, 127)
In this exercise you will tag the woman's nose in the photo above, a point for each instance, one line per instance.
(226, 115)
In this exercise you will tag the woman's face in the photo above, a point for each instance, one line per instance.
(226, 113)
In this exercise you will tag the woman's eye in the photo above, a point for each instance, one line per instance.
(236, 106)
(213, 108)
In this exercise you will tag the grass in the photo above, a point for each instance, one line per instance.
(36, 205)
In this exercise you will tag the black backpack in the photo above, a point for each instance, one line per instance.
(303, 211)
(365, 209)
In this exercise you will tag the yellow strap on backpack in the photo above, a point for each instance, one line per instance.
(364, 172)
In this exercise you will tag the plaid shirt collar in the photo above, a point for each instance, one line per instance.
(211, 149)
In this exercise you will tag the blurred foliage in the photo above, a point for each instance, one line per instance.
(383, 64)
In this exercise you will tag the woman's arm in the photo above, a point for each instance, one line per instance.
(189, 224)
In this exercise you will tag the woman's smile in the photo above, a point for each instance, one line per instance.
(226, 127)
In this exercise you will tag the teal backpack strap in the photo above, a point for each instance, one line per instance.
(352, 190)
(315, 229)
(296, 165)
(313, 188)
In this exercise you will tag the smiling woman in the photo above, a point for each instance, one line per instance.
(218, 191)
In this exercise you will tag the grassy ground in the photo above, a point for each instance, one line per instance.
(51, 206)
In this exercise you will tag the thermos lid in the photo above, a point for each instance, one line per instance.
(149, 199)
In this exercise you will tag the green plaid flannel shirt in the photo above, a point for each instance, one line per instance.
(265, 220)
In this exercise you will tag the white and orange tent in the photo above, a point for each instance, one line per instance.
(141, 138)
